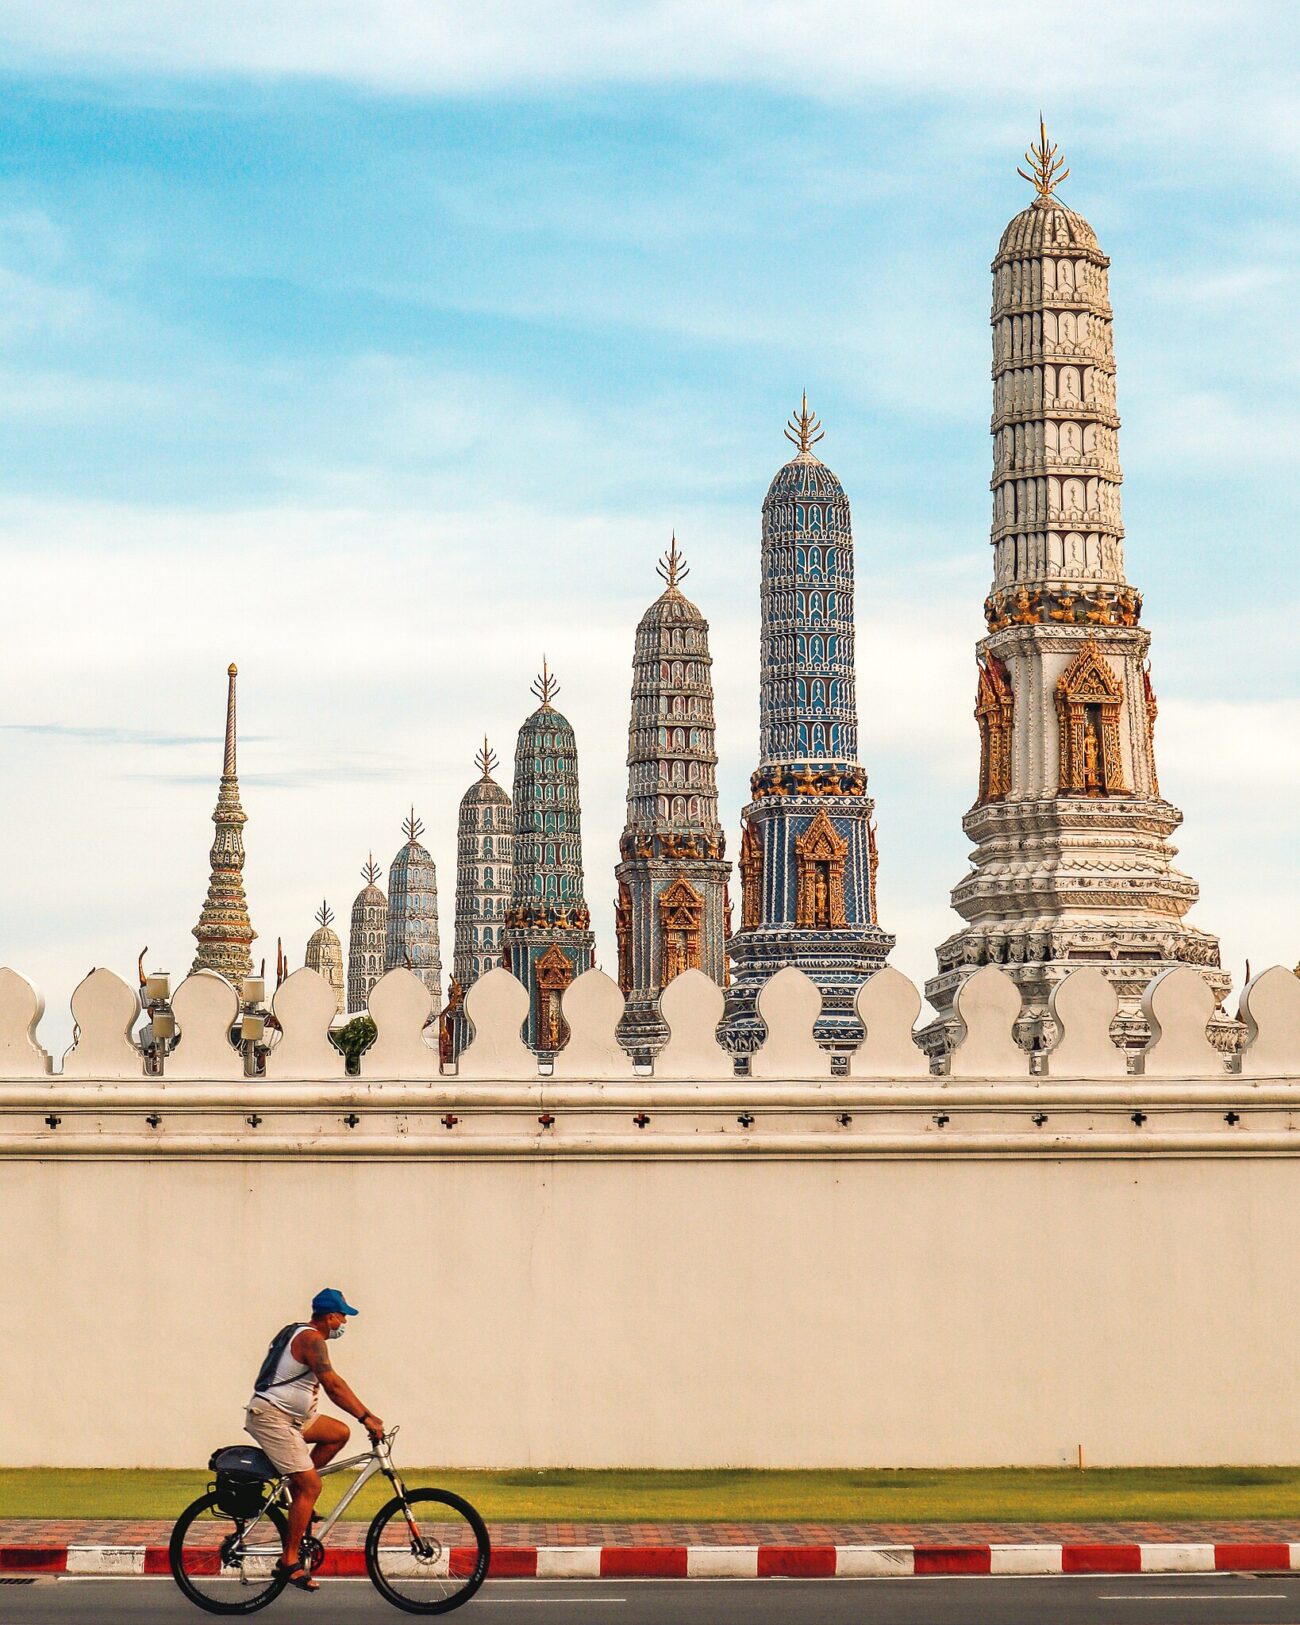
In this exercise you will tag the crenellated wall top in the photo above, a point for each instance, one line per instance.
(113, 1038)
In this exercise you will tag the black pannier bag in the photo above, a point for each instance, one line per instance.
(242, 1471)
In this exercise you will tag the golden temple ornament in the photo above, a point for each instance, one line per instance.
(486, 760)
(672, 567)
(544, 686)
(804, 428)
(1047, 171)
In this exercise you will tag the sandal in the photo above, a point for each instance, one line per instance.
(298, 1575)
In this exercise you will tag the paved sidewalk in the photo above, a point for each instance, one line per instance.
(155, 1532)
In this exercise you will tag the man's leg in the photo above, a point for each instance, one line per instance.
(326, 1435)
(304, 1487)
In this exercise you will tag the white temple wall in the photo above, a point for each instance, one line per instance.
(604, 1267)
(668, 1313)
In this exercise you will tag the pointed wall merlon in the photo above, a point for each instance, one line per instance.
(21, 1008)
(988, 1007)
(888, 1005)
(1178, 1006)
(304, 1005)
(400, 1006)
(1083, 1007)
(496, 1008)
(105, 1010)
(789, 1005)
(1270, 1010)
(206, 1007)
(592, 1006)
(691, 1006)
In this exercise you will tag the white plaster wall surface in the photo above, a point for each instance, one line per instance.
(663, 1312)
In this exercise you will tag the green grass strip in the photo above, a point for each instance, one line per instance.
(1013, 1495)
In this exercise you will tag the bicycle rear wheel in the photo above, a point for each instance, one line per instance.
(427, 1553)
(208, 1565)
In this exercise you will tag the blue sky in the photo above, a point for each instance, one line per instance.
(379, 347)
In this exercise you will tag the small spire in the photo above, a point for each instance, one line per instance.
(370, 870)
(412, 827)
(545, 686)
(804, 429)
(486, 759)
(1044, 165)
(673, 567)
(324, 914)
(228, 767)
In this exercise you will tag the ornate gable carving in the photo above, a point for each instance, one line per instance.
(1088, 700)
(820, 853)
(554, 973)
(1089, 679)
(681, 909)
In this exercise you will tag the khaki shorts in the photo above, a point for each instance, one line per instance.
(280, 1435)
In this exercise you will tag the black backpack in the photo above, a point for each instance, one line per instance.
(266, 1372)
(242, 1471)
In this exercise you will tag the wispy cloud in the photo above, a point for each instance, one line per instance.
(109, 735)
(829, 48)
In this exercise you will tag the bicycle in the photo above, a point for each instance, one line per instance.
(425, 1567)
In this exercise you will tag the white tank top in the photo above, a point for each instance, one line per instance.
(296, 1386)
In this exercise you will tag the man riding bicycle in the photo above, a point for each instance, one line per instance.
(282, 1417)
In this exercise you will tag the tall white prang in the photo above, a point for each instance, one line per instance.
(1072, 862)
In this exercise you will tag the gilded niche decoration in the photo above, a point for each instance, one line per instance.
(554, 973)
(995, 714)
(681, 909)
(820, 854)
(751, 877)
(1088, 700)
(873, 866)
(623, 935)
(1149, 696)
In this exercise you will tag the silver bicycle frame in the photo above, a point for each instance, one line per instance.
(378, 1459)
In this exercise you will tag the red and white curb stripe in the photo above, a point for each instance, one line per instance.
(739, 1562)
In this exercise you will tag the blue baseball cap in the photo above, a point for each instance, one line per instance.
(330, 1301)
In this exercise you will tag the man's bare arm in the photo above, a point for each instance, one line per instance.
(312, 1349)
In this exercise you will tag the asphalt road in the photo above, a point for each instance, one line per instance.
(1226, 1599)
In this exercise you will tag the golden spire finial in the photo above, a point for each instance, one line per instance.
(486, 759)
(804, 428)
(1047, 170)
(370, 873)
(324, 914)
(228, 761)
(673, 567)
(412, 827)
(545, 686)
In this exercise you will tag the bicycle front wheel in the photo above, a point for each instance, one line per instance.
(227, 1565)
(427, 1553)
